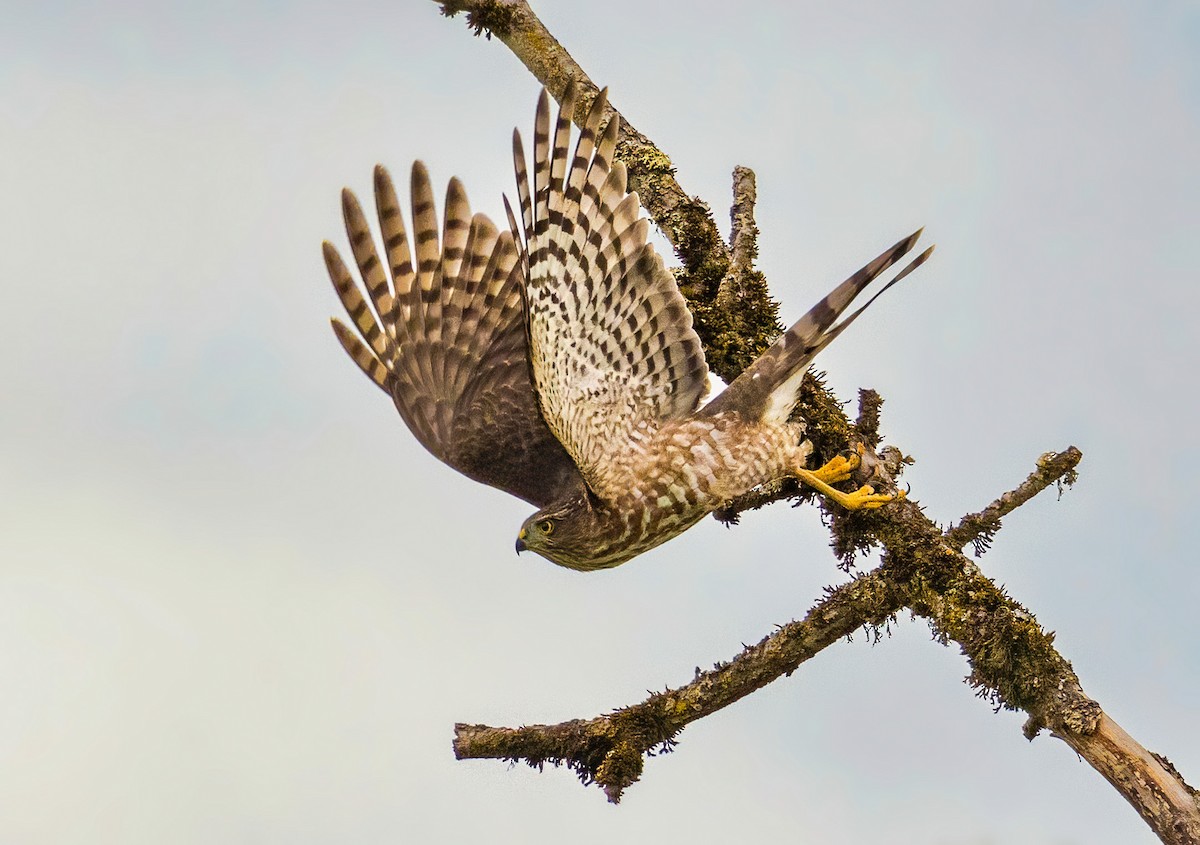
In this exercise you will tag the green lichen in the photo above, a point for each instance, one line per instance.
(733, 334)
(1014, 664)
(644, 160)
(870, 404)
(622, 767)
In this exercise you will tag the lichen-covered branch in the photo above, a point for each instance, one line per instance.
(979, 528)
(743, 231)
(1013, 662)
(685, 220)
(743, 242)
(609, 749)
(742, 310)
(1015, 665)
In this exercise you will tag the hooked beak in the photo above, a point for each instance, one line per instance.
(521, 542)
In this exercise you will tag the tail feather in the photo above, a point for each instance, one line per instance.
(832, 333)
(767, 389)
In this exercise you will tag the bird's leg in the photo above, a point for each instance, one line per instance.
(839, 469)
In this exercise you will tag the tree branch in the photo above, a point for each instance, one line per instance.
(608, 750)
(1148, 781)
(685, 220)
(979, 528)
(1013, 662)
(743, 235)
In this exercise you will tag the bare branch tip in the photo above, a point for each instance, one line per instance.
(1053, 468)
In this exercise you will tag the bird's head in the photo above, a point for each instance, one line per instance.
(572, 535)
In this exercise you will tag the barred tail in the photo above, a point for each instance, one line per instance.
(767, 389)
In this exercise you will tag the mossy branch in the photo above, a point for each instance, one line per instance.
(979, 528)
(1013, 661)
(608, 750)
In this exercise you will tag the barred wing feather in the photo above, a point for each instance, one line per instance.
(610, 337)
(441, 330)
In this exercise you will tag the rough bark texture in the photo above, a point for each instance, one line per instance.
(1013, 662)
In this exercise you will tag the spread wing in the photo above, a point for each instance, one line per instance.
(443, 334)
(610, 337)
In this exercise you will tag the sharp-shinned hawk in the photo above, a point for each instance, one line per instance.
(557, 361)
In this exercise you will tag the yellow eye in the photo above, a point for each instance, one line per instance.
(546, 526)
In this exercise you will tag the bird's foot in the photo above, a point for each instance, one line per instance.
(839, 469)
(865, 498)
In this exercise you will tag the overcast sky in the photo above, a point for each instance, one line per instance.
(239, 603)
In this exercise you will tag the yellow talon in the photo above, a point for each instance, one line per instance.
(839, 469)
(865, 498)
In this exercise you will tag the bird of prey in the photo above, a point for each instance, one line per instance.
(557, 361)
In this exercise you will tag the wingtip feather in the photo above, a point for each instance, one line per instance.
(382, 179)
(333, 261)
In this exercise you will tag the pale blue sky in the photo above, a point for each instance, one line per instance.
(238, 602)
